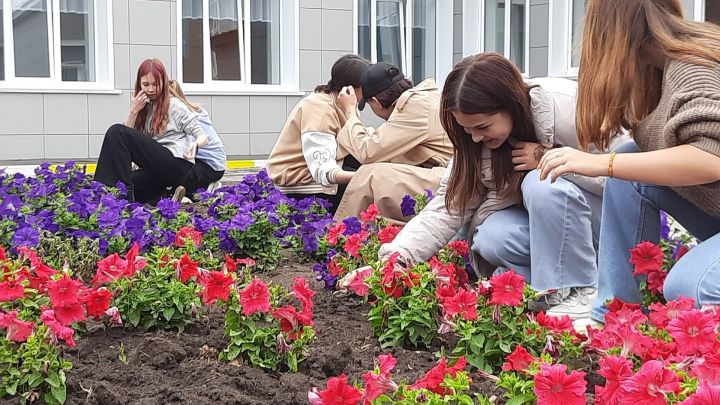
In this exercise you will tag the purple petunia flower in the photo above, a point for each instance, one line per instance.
(10, 205)
(352, 226)
(407, 206)
(168, 208)
(242, 221)
(664, 225)
(26, 236)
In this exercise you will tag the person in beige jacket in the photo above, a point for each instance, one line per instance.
(501, 126)
(305, 160)
(405, 155)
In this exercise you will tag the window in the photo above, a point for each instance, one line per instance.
(237, 44)
(506, 30)
(576, 29)
(401, 32)
(49, 44)
(712, 11)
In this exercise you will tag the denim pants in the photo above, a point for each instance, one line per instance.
(551, 240)
(631, 214)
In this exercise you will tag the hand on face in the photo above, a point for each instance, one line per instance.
(347, 100)
(138, 101)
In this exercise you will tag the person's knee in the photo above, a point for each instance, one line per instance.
(678, 285)
(486, 245)
(683, 282)
(115, 132)
(548, 194)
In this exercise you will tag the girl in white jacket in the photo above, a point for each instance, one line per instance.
(500, 126)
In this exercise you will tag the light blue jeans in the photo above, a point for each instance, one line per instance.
(554, 233)
(631, 214)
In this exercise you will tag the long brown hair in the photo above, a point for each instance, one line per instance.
(346, 71)
(616, 88)
(161, 105)
(177, 92)
(487, 83)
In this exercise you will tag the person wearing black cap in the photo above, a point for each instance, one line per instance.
(405, 155)
(305, 160)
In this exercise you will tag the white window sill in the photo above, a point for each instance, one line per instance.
(59, 90)
(244, 93)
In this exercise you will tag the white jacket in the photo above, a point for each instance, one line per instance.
(553, 106)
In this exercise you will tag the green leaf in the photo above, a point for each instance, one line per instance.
(168, 313)
(521, 399)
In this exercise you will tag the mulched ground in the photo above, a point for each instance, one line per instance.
(171, 367)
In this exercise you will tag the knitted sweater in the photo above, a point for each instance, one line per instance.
(688, 114)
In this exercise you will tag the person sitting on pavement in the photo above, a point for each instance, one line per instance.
(211, 159)
(305, 161)
(161, 135)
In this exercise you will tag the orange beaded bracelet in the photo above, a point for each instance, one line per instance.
(610, 164)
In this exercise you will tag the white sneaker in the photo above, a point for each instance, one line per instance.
(214, 186)
(574, 302)
(581, 325)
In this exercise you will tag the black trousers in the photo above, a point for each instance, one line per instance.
(201, 176)
(123, 145)
(350, 164)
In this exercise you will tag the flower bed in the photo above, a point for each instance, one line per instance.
(201, 323)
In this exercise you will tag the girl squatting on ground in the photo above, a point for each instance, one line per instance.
(669, 97)
(499, 126)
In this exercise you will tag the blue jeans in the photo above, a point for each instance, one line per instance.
(631, 214)
(555, 234)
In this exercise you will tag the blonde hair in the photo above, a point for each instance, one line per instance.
(616, 89)
(177, 92)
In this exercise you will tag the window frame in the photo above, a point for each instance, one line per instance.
(443, 35)
(289, 55)
(474, 30)
(560, 41)
(103, 54)
(570, 70)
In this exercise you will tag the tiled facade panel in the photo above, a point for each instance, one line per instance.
(71, 126)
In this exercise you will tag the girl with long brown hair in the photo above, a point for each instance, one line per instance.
(647, 69)
(161, 135)
(499, 126)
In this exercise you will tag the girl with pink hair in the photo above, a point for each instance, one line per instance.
(161, 135)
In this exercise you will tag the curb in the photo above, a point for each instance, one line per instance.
(29, 170)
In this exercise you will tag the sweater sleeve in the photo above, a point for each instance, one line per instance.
(391, 139)
(694, 118)
(186, 120)
(429, 231)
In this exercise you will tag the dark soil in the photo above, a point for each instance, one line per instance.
(118, 366)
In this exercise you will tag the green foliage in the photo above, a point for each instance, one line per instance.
(485, 343)
(156, 298)
(32, 368)
(519, 389)
(258, 242)
(411, 318)
(259, 338)
(80, 253)
(456, 393)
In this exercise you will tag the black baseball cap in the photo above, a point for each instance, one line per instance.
(376, 78)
